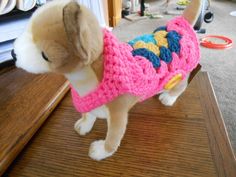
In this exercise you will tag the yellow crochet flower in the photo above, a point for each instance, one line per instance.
(150, 46)
(161, 33)
(160, 38)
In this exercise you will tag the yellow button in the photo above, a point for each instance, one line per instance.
(173, 82)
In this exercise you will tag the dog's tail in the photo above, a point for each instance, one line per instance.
(192, 11)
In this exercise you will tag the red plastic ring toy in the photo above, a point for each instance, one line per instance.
(206, 43)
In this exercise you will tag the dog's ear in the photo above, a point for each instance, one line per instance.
(83, 32)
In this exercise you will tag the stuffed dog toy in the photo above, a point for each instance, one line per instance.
(108, 77)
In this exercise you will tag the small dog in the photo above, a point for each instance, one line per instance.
(108, 77)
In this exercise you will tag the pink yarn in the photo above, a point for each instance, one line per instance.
(124, 73)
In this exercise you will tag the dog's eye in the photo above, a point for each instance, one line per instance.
(45, 57)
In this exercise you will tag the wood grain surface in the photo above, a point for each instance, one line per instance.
(26, 100)
(185, 140)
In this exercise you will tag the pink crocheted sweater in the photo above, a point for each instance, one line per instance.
(125, 73)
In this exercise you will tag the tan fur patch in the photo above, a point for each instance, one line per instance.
(118, 119)
(51, 36)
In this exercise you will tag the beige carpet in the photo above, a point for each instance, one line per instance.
(221, 64)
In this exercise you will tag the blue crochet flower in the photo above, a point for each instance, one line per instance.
(145, 38)
(161, 28)
(155, 60)
(165, 54)
(173, 39)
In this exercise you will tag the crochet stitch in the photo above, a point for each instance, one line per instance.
(141, 71)
(148, 55)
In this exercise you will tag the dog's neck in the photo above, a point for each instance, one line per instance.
(86, 79)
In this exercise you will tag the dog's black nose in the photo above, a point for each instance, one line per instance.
(13, 55)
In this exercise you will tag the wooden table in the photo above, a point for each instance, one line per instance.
(26, 100)
(188, 139)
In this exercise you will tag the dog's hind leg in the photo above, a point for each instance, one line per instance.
(85, 124)
(169, 97)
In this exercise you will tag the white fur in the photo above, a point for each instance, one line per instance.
(85, 124)
(97, 150)
(101, 112)
(85, 81)
(29, 57)
(167, 99)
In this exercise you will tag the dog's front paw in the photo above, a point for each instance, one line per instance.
(84, 125)
(97, 150)
(167, 99)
